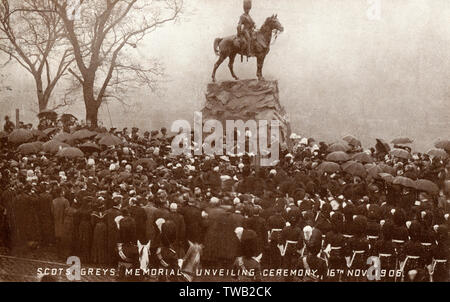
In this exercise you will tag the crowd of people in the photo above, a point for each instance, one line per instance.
(309, 211)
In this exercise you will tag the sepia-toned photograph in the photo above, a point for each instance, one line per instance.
(237, 141)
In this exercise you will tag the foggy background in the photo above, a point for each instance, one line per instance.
(339, 72)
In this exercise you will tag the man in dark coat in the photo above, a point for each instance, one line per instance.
(45, 216)
(258, 224)
(178, 219)
(7, 201)
(59, 205)
(9, 126)
(194, 222)
(291, 241)
(236, 217)
(140, 216)
(248, 262)
(127, 249)
(314, 267)
(150, 227)
(166, 255)
(275, 225)
(112, 230)
(220, 241)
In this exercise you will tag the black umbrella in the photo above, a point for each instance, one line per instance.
(20, 136)
(53, 146)
(402, 141)
(404, 181)
(443, 144)
(427, 186)
(110, 140)
(89, 147)
(83, 134)
(382, 146)
(329, 167)
(338, 156)
(38, 134)
(28, 148)
(354, 168)
(70, 153)
(400, 153)
(64, 137)
(48, 114)
(49, 131)
(363, 157)
(343, 147)
(352, 140)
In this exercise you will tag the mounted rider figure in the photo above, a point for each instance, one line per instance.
(246, 26)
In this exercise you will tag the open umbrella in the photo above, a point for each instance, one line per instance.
(48, 114)
(404, 181)
(354, 168)
(49, 131)
(426, 186)
(83, 134)
(146, 162)
(373, 170)
(338, 156)
(346, 164)
(402, 141)
(102, 135)
(363, 157)
(369, 165)
(38, 145)
(328, 167)
(64, 137)
(386, 177)
(338, 147)
(110, 140)
(70, 152)
(386, 168)
(351, 140)
(89, 147)
(67, 117)
(28, 148)
(400, 153)
(38, 134)
(443, 144)
(437, 153)
(53, 146)
(382, 146)
(20, 136)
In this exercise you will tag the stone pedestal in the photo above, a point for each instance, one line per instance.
(246, 100)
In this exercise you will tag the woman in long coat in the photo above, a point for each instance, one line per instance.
(85, 231)
(99, 239)
(68, 236)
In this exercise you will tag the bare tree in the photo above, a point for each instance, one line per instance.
(31, 33)
(103, 33)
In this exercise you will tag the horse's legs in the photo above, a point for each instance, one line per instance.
(260, 63)
(231, 64)
(219, 61)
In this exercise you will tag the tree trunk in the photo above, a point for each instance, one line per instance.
(42, 99)
(90, 102)
(91, 113)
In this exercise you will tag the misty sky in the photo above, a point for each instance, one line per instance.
(339, 72)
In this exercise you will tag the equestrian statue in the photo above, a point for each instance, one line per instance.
(248, 41)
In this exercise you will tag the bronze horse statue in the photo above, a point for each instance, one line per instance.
(231, 46)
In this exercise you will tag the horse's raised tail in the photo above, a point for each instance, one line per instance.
(216, 46)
